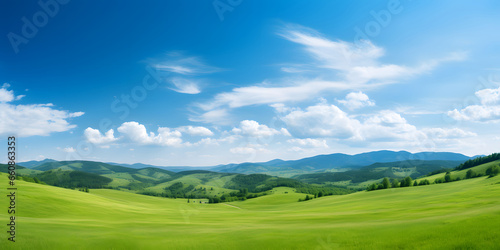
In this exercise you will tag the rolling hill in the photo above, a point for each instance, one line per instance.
(160, 182)
(457, 215)
(377, 171)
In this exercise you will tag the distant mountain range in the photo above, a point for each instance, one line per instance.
(338, 161)
(32, 164)
(289, 168)
(351, 171)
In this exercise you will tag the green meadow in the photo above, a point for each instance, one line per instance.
(458, 215)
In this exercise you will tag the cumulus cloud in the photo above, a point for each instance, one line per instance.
(488, 110)
(95, 137)
(309, 142)
(35, 119)
(489, 96)
(322, 120)
(356, 100)
(388, 125)
(196, 131)
(31, 119)
(6, 95)
(137, 133)
(254, 129)
(69, 150)
(325, 120)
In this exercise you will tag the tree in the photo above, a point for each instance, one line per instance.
(415, 183)
(478, 161)
(395, 183)
(36, 180)
(493, 171)
(307, 198)
(406, 181)
(320, 194)
(386, 183)
(371, 187)
(470, 174)
(188, 200)
(447, 177)
(424, 182)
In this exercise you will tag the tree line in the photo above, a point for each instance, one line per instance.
(478, 161)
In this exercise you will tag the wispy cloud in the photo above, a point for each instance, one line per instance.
(184, 65)
(183, 72)
(340, 65)
(185, 86)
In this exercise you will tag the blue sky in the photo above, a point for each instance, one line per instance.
(210, 82)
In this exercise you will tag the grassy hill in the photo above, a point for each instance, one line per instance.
(375, 172)
(121, 177)
(461, 214)
(480, 169)
(194, 184)
(20, 170)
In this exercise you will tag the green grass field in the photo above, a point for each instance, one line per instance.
(457, 215)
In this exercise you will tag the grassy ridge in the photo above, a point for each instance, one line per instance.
(462, 214)
(481, 169)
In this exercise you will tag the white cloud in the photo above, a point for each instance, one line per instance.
(489, 96)
(293, 70)
(34, 119)
(185, 86)
(280, 107)
(207, 141)
(354, 67)
(254, 129)
(196, 131)
(69, 150)
(489, 110)
(356, 100)
(94, 136)
(6, 95)
(248, 149)
(262, 94)
(216, 116)
(309, 142)
(137, 133)
(338, 55)
(243, 150)
(180, 64)
(322, 120)
(285, 132)
(388, 125)
(447, 133)
(358, 63)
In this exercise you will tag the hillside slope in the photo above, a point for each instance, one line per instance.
(454, 215)
(399, 169)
